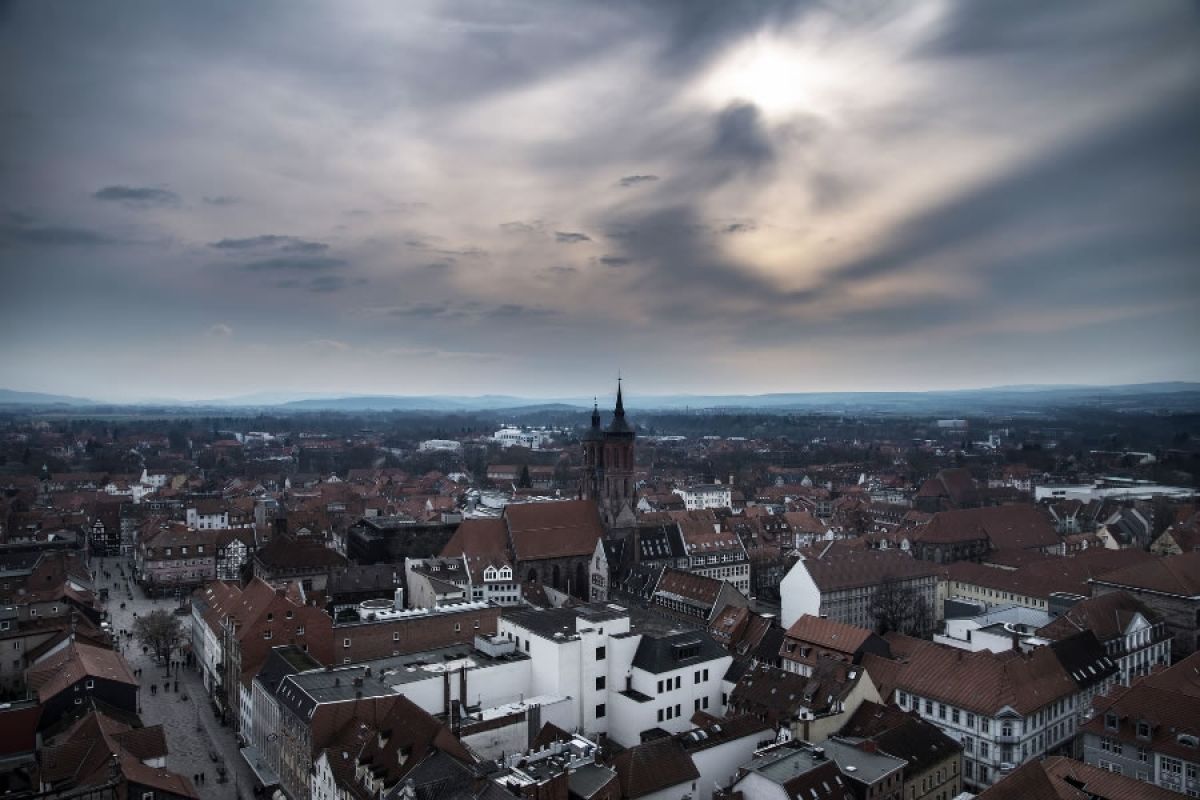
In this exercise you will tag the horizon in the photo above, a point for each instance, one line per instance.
(210, 201)
(633, 400)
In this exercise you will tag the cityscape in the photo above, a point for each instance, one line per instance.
(600, 401)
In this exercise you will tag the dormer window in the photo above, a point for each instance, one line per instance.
(1143, 729)
(1111, 722)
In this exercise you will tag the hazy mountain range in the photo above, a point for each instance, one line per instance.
(1177, 395)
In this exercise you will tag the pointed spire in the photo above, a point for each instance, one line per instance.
(595, 413)
(619, 411)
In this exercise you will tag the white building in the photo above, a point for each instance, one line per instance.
(625, 682)
(439, 445)
(707, 495)
(520, 437)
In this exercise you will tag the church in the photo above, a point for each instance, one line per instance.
(608, 467)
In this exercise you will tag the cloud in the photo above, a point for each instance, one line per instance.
(515, 310)
(53, 236)
(297, 263)
(562, 270)
(329, 346)
(571, 237)
(739, 227)
(440, 266)
(739, 137)
(138, 196)
(219, 331)
(636, 180)
(284, 244)
(517, 226)
(615, 261)
(221, 200)
(328, 283)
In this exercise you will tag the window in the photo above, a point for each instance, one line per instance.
(704, 702)
(599, 653)
(600, 683)
(1143, 754)
(346, 643)
(705, 674)
(1172, 766)
(954, 716)
(1110, 721)
(968, 744)
(985, 724)
(1143, 730)
(970, 720)
(696, 704)
(928, 706)
(457, 627)
(270, 617)
(677, 710)
(91, 684)
(299, 630)
(267, 634)
(660, 715)
(396, 636)
(983, 749)
(600, 711)
(941, 711)
(660, 687)
(697, 677)
(678, 681)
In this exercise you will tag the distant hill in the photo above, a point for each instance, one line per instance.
(10, 397)
(1174, 396)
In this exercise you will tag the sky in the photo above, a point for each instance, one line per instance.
(204, 200)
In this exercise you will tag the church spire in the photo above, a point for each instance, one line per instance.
(619, 411)
(595, 413)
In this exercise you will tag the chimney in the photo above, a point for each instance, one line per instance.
(868, 746)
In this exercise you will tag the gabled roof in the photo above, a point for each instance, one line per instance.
(63, 669)
(653, 766)
(829, 634)
(1107, 615)
(701, 590)
(850, 569)
(1059, 778)
(83, 756)
(1177, 575)
(1011, 527)
(553, 530)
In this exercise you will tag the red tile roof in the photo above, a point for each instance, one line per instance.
(1178, 575)
(553, 530)
(829, 634)
(1058, 778)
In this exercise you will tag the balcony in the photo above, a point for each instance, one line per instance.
(1008, 738)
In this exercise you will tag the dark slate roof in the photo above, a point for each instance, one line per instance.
(657, 542)
(658, 654)
(1084, 659)
(284, 661)
(922, 744)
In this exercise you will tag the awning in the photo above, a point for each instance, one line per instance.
(258, 765)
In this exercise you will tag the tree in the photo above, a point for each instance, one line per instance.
(900, 608)
(524, 482)
(161, 631)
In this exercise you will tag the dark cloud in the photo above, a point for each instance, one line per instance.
(138, 196)
(297, 263)
(283, 244)
(740, 139)
(1084, 193)
(52, 236)
(635, 180)
(739, 227)
(221, 200)
(328, 283)
(517, 226)
(571, 237)
(516, 310)
(440, 266)
(615, 261)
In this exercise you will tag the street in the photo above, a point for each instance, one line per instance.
(193, 733)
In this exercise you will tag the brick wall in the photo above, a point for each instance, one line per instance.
(370, 640)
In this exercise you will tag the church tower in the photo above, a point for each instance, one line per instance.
(608, 459)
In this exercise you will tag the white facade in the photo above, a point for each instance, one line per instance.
(517, 437)
(215, 521)
(595, 663)
(439, 445)
(799, 594)
(706, 496)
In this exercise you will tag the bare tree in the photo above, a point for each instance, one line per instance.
(161, 631)
(898, 607)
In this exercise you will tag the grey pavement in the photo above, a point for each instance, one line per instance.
(193, 731)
